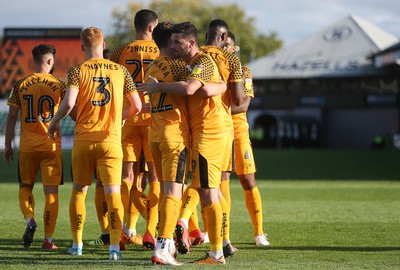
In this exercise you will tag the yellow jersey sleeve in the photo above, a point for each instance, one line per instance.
(248, 82)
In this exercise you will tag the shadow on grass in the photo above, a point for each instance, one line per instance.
(12, 252)
(244, 246)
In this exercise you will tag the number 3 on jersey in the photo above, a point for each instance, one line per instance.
(102, 90)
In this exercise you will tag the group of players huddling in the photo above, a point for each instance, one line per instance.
(161, 108)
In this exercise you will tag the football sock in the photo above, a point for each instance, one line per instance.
(190, 200)
(254, 207)
(152, 207)
(225, 219)
(125, 194)
(101, 208)
(26, 202)
(131, 219)
(169, 212)
(50, 214)
(204, 218)
(77, 214)
(130, 223)
(139, 199)
(194, 221)
(213, 214)
(115, 216)
(225, 190)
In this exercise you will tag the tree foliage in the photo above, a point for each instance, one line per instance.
(200, 13)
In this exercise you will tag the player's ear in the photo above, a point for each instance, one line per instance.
(224, 36)
(192, 42)
(150, 28)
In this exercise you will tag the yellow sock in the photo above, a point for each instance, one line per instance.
(26, 202)
(125, 194)
(50, 214)
(160, 198)
(254, 207)
(77, 214)
(152, 208)
(139, 199)
(225, 190)
(213, 213)
(101, 208)
(132, 218)
(115, 216)
(169, 212)
(194, 221)
(190, 200)
(204, 218)
(225, 218)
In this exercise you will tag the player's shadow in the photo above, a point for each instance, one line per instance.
(244, 246)
(12, 252)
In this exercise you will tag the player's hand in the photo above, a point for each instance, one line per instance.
(54, 128)
(148, 87)
(8, 154)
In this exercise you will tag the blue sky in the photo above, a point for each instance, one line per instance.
(291, 19)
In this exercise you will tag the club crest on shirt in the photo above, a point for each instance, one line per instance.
(197, 69)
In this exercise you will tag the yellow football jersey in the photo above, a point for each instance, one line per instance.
(229, 67)
(169, 119)
(206, 115)
(102, 86)
(38, 97)
(136, 57)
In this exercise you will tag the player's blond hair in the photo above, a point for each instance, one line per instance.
(91, 37)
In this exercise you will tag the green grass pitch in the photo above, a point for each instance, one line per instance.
(313, 221)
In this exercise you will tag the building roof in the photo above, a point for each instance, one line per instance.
(342, 49)
(387, 57)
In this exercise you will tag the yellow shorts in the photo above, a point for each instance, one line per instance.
(170, 160)
(49, 163)
(207, 155)
(227, 158)
(135, 140)
(104, 157)
(244, 158)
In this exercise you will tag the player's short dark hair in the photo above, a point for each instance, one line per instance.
(162, 34)
(143, 18)
(187, 29)
(218, 23)
(40, 50)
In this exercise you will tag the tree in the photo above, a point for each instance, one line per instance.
(200, 13)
